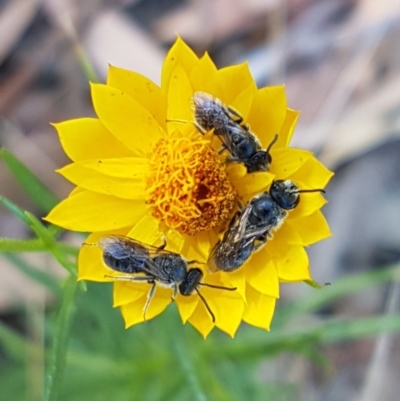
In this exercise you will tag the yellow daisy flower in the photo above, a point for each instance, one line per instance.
(140, 171)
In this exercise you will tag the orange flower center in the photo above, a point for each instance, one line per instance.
(187, 187)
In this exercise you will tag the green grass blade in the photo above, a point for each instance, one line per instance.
(15, 344)
(31, 184)
(343, 287)
(61, 333)
(345, 330)
(300, 340)
(14, 209)
(46, 236)
(43, 278)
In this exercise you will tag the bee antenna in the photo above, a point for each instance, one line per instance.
(272, 143)
(206, 305)
(310, 190)
(89, 244)
(177, 121)
(219, 287)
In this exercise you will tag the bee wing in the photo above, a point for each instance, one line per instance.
(122, 247)
(256, 231)
(226, 136)
(232, 240)
(139, 254)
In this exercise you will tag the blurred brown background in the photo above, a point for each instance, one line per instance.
(340, 61)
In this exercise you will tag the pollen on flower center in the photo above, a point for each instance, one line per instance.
(187, 187)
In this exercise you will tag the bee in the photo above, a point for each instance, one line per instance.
(251, 227)
(145, 263)
(244, 147)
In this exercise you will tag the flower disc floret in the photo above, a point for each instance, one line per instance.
(187, 187)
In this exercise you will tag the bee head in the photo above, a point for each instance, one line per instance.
(191, 281)
(287, 194)
(261, 160)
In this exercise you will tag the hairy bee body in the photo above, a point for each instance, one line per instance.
(251, 227)
(144, 263)
(210, 113)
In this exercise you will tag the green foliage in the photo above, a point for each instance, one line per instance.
(164, 360)
(31, 184)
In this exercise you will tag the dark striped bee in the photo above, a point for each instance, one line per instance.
(250, 228)
(145, 263)
(244, 147)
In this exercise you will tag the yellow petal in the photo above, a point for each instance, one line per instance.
(227, 307)
(288, 234)
(179, 96)
(126, 292)
(204, 77)
(90, 260)
(146, 230)
(252, 184)
(309, 203)
(122, 167)
(243, 101)
(87, 138)
(259, 309)
(76, 190)
(133, 312)
(201, 320)
(234, 80)
(186, 306)
(180, 53)
(235, 171)
(202, 245)
(191, 251)
(236, 279)
(288, 127)
(286, 161)
(142, 89)
(126, 119)
(313, 174)
(291, 261)
(312, 228)
(267, 114)
(90, 264)
(89, 211)
(174, 240)
(261, 274)
(95, 181)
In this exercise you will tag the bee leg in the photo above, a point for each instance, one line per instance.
(206, 305)
(223, 148)
(191, 262)
(234, 160)
(200, 128)
(240, 205)
(150, 296)
(163, 245)
(263, 241)
(238, 118)
(175, 293)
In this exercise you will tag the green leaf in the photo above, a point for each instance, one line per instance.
(21, 245)
(14, 209)
(36, 190)
(61, 333)
(46, 236)
(316, 285)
